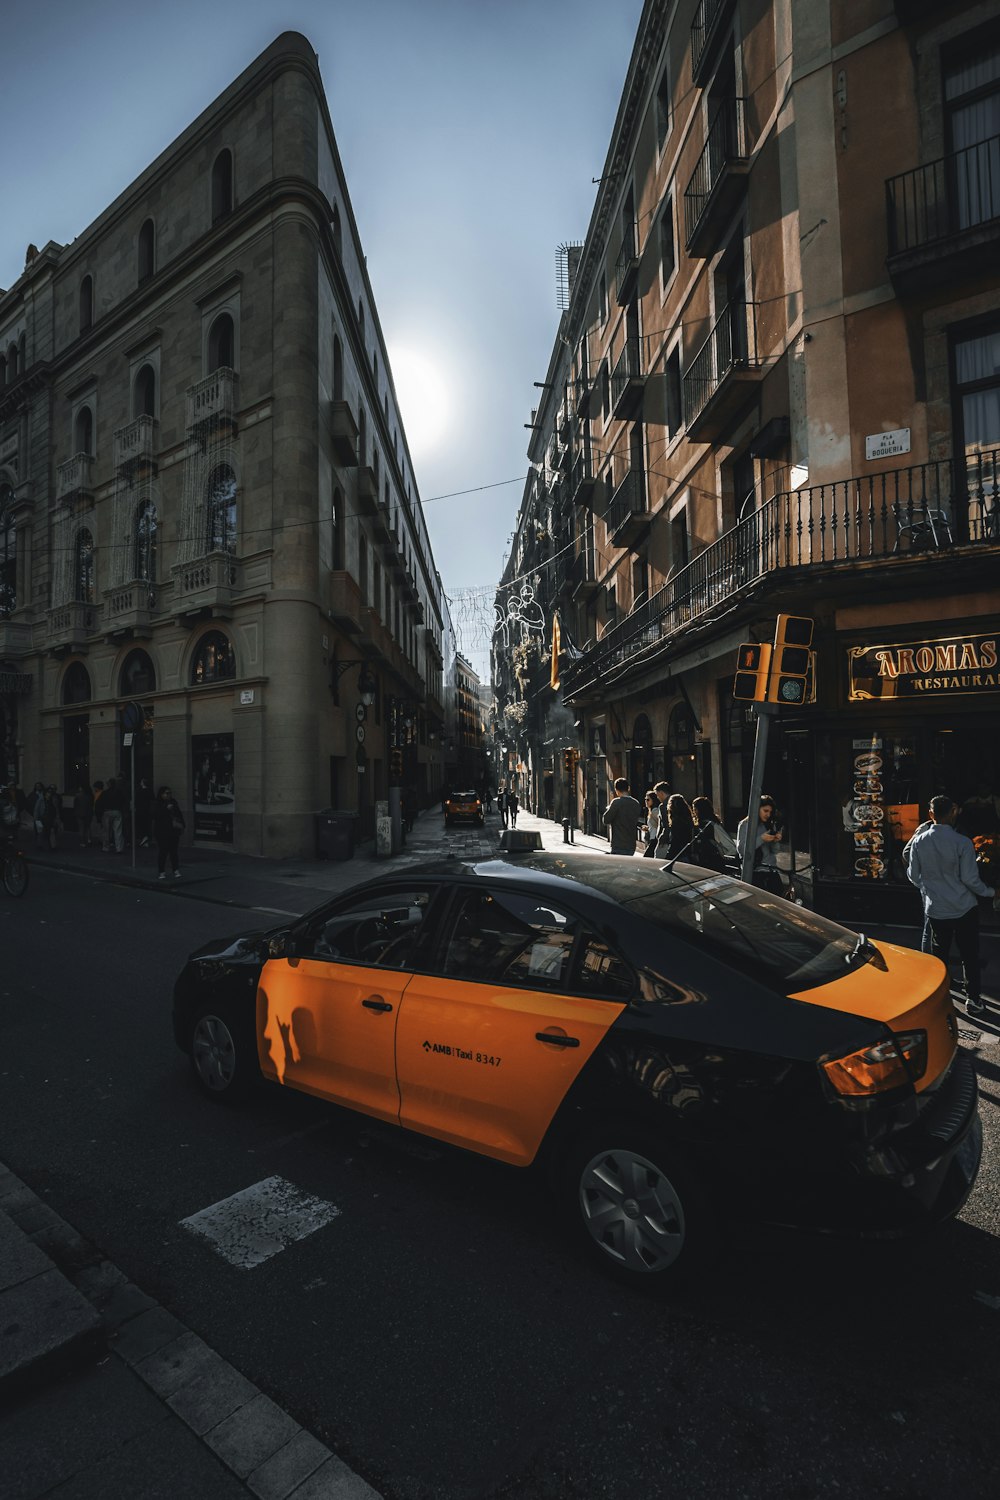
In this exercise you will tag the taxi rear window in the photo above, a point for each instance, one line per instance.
(786, 947)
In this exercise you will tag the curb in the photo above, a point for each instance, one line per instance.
(244, 1429)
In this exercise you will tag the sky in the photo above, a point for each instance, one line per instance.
(470, 132)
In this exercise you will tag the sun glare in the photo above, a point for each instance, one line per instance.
(423, 399)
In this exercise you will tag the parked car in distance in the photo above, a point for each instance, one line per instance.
(684, 1053)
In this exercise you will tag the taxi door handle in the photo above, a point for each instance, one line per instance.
(375, 1002)
(556, 1039)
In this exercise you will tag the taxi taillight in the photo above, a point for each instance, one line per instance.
(891, 1064)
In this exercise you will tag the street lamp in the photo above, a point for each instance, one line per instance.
(367, 686)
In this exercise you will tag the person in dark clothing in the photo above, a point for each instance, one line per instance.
(512, 807)
(168, 825)
(622, 816)
(678, 831)
(83, 807)
(704, 850)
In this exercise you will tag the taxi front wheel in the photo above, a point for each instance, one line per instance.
(638, 1208)
(223, 1055)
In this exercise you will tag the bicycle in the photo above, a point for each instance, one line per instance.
(13, 869)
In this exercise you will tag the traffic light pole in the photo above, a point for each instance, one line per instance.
(765, 713)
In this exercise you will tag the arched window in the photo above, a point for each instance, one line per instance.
(137, 675)
(144, 528)
(337, 517)
(85, 430)
(147, 251)
(220, 507)
(76, 684)
(84, 591)
(8, 552)
(338, 234)
(338, 370)
(222, 185)
(86, 303)
(23, 361)
(214, 659)
(221, 344)
(144, 393)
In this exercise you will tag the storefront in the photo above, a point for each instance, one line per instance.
(918, 714)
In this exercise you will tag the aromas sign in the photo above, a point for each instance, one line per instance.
(922, 669)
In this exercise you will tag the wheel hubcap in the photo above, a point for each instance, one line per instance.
(632, 1211)
(214, 1053)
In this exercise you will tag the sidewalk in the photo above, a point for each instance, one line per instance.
(103, 1394)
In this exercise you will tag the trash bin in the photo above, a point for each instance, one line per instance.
(335, 833)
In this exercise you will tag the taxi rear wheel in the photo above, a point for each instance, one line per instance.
(223, 1055)
(636, 1207)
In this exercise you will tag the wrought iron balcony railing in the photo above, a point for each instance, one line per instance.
(944, 198)
(627, 266)
(704, 29)
(627, 510)
(726, 152)
(730, 348)
(628, 379)
(885, 517)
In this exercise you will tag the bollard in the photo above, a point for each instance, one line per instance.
(565, 824)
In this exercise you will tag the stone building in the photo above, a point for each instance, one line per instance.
(207, 504)
(775, 387)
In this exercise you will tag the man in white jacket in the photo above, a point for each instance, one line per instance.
(943, 868)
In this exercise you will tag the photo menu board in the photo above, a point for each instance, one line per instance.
(865, 809)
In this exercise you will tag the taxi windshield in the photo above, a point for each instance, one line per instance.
(784, 946)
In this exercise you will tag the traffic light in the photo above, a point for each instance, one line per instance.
(396, 764)
(752, 663)
(790, 658)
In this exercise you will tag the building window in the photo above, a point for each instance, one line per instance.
(673, 374)
(679, 551)
(338, 370)
(972, 99)
(640, 572)
(8, 552)
(377, 587)
(147, 251)
(86, 303)
(663, 108)
(214, 659)
(137, 675)
(221, 511)
(221, 344)
(977, 380)
(363, 567)
(84, 431)
(602, 297)
(76, 684)
(144, 531)
(222, 185)
(12, 370)
(144, 393)
(668, 255)
(83, 571)
(362, 436)
(337, 519)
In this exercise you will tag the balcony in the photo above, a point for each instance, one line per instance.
(628, 381)
(433, 646)
(584, 391)
(627, 517)
(583, 480)
(627, 267)
(392, 546)
(583, 580)
(900, 518)
(70, 627)
(718, 181)
(345, 602)
(724, 375)
(367, 492)
(944, 219)
(211, 404)
(74, 479)
(344, 434)
(128, 611)
(381, 525)
(134, 448)
(205, 587)
(706, 33)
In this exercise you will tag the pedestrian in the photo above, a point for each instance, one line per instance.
(513, 806)
(676, 829)
(168, 825)
(83, 808)
(623, 816)
(767, 836)
(706, 849)
(37, 802)
(502, 806)
(926, 935)
(112, 826)
(51, 820)
(942, 866)
(652, 823)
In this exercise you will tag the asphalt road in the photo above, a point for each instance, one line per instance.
(439, 1333)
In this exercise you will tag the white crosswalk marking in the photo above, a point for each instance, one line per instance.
(251, 1226)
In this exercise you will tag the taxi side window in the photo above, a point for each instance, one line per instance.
(602, 973)
(379, 928)
(507, 938)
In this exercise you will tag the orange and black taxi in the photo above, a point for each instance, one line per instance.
(680, 1049)
(464, 807)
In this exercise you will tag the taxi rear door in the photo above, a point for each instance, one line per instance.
(488, 1046)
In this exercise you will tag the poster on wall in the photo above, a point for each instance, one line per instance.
(214, 787)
